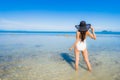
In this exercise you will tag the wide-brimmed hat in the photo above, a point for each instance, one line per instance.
(83, 26)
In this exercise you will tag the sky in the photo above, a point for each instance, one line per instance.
(59, 15)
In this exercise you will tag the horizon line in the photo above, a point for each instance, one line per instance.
(30, 31)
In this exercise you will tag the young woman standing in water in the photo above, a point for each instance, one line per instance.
(80, 43)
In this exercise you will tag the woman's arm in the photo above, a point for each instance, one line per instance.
(77, 39)
(92, 34)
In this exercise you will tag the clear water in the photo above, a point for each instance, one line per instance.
(46, 57)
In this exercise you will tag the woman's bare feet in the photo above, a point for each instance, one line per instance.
(76, 69)
(90, 70)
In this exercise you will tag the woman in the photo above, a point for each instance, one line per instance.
(80, 43)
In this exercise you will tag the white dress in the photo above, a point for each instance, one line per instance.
(81, 45)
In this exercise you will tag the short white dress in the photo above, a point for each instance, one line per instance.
(81, 45)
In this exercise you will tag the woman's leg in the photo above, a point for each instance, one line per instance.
(76, 52)
(85, 56)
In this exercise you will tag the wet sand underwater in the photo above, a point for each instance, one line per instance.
(46, 57)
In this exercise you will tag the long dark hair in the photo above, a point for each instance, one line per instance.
(82, 36)
(83, 33)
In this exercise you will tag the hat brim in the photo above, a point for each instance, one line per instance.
(85, 28)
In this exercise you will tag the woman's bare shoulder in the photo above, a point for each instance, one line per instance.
(87, 32)
(78, 32)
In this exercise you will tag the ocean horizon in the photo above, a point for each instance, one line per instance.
(56, 32)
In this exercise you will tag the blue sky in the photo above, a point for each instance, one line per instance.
(59, 15)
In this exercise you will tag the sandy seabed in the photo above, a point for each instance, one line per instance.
(34, 58)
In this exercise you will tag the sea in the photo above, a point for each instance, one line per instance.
(46, 56)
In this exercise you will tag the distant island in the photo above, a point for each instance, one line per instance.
(107, 32)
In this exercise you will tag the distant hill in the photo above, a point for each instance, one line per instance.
(107, 32)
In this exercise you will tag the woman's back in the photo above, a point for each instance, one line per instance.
(81, 44)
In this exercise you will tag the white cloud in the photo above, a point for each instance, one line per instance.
(58, 22)
(15, 25)
(6, 24)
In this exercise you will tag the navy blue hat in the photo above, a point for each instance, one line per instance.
(83, 26)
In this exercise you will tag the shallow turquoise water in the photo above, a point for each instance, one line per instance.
(43, 57)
